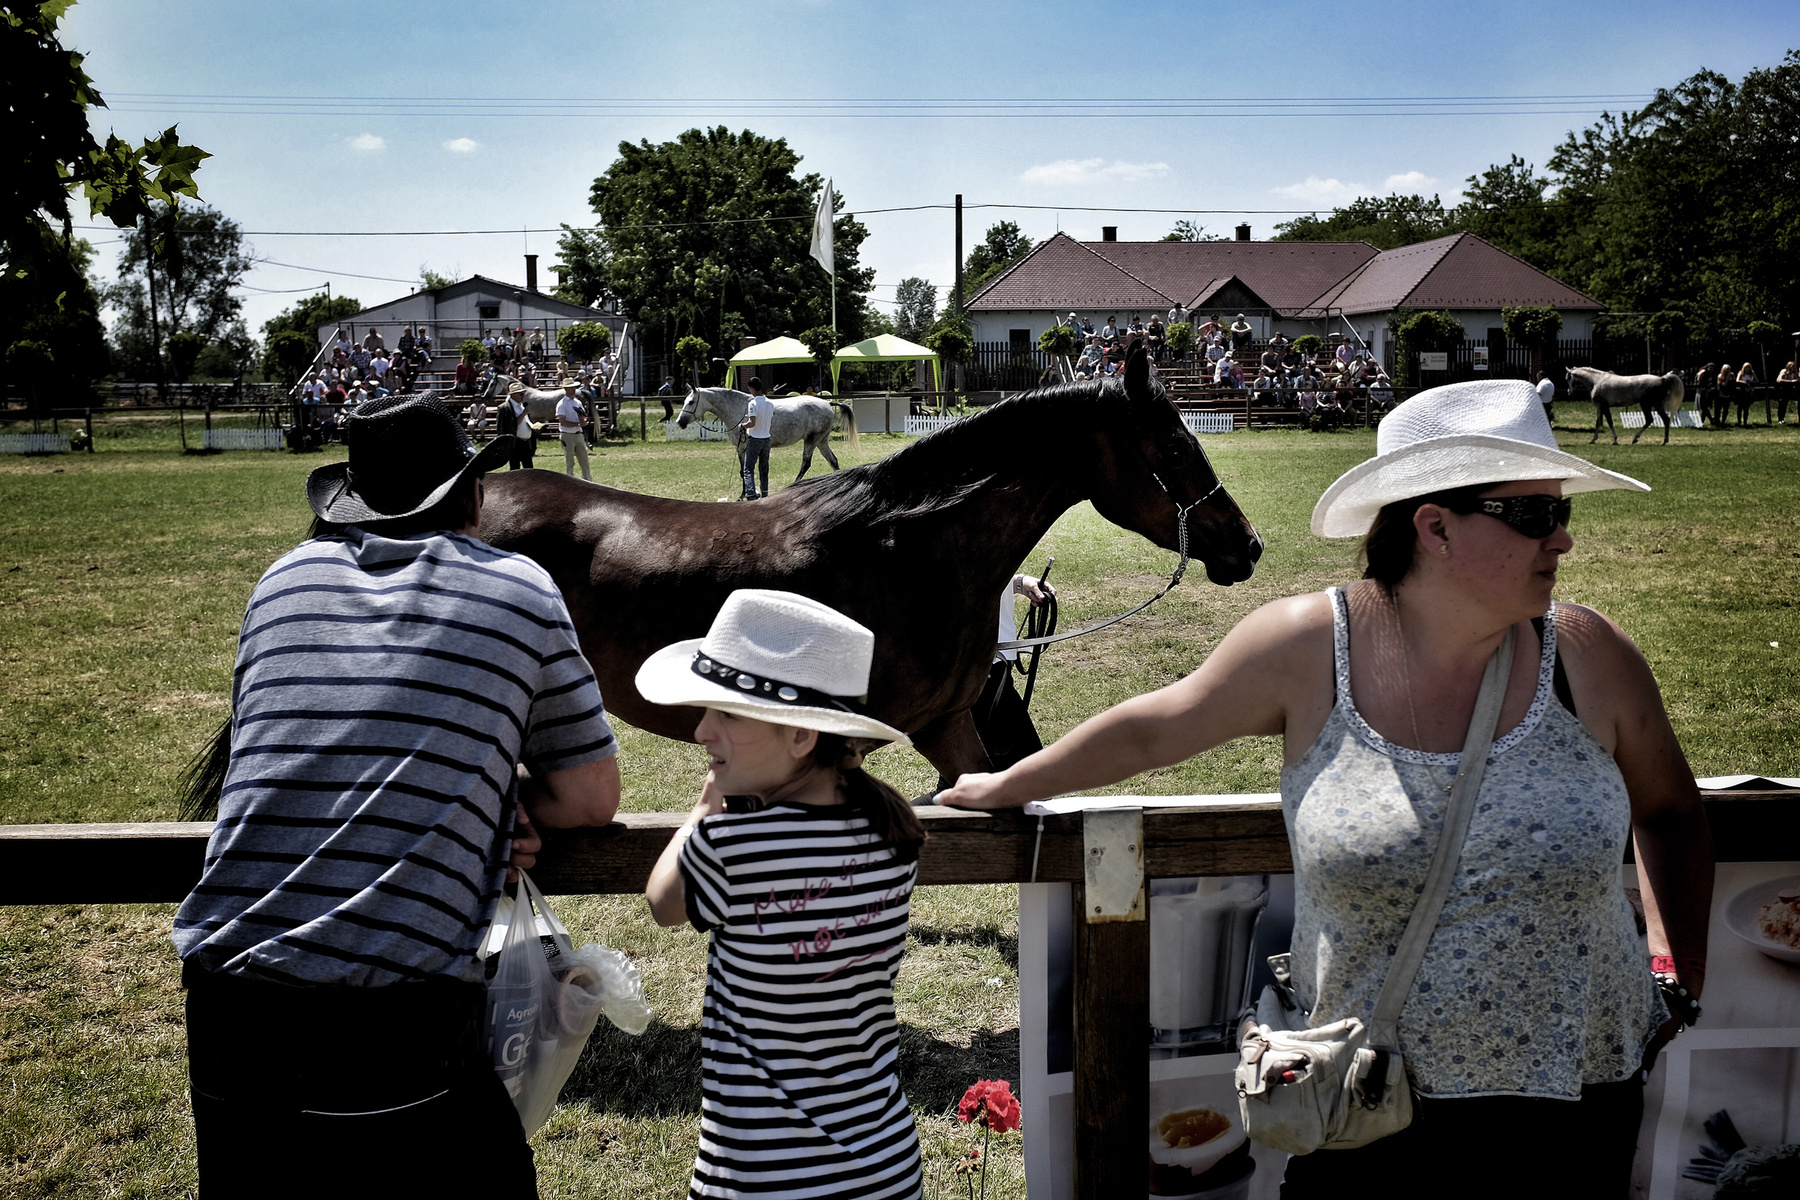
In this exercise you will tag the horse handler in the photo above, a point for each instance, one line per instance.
(757, 427)
(568, 429)
(408, 700)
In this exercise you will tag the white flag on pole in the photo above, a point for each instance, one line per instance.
(821, 238)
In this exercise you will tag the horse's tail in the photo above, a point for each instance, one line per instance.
(205, 779)
(1674, 394)
(851, 436)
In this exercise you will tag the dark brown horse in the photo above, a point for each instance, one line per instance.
(918, 547)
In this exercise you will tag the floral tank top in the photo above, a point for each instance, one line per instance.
(1534, 982)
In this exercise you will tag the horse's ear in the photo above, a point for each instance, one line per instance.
(1137, 373)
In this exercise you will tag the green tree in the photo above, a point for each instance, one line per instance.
(1535, 327)
(821, 341)
(694, 353)
(1179, 338)
(472, 350)
(198, 258)
(287, 353)
(226, 356)
(952, 339)
(711, 223)
(1004, 245)
(1396, 221)
(1058, 341)
(431, 281)
(1190, 231)
(45, 294)
(305, 317)
(183, 350)
(915, 308)
(584, 341)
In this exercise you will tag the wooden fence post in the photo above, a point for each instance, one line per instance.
(1112, 1053)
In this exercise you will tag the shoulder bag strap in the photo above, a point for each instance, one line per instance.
(1470, 769)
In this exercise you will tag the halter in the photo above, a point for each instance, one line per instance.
(1181, 545)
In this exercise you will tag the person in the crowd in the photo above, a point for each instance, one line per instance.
(1210, 329)
(1705, 380)
(1153, 337)
(758, 426)
(1787, 388)
(396, 730)
(534, 346)
(1109, 332)
(800, 865)
(570, 416)
(1533, 1007)
(465, 377)
(1725, 396)
(372, 341)
(1546, 390)
(405, 346)
(1241, 334)
(1746, 392)
(476, 417)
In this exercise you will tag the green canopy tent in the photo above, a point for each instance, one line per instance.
(775, 350)
(885, 347)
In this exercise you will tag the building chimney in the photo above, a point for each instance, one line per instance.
(1243, 232)
(1109, 233)
(531, 272)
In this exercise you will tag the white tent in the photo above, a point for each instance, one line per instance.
(885, 347)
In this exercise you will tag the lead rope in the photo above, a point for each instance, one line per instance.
(1181, 545)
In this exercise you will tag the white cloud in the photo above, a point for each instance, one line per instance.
(1322, 191)
(1409, 183)
(368, 143)
(462, 145)
(1093, 170)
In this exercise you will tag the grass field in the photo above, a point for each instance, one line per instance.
(124, 573)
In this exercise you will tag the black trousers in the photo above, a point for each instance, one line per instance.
(1500, 1146)
(348, 1092)
(1003, 722)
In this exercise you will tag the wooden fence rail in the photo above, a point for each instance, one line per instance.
(160, 862)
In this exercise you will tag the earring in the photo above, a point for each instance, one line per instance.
(1443, 548)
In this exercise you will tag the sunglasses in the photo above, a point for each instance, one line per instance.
(1534, 516)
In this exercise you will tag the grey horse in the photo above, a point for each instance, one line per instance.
(1661, 395)
(805, 419)
(540, 405)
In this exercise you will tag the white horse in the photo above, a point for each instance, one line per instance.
(1661, 395)
(797, 419)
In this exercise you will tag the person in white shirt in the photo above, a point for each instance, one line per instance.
(569, 417)
(1001, 718)
(379, 364)
(608, 363)
(1546, 390)
(758, 424)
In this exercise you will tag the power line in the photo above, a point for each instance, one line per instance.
(322, 271)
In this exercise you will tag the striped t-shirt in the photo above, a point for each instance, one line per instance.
(385, 689)
(800, 1088)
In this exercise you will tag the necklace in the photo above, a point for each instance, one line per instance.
(1412, 712)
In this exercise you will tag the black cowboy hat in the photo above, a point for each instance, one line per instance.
(406, 454)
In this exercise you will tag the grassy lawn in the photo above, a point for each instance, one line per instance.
(123, 576)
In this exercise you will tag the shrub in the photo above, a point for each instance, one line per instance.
(1179, 337)
(184, 350)
(1534, 325)
(1058, 341)
(694, 352)
(289, 352)
(472, 350)
(584, 340)
(1307, 344)
(1431, 330)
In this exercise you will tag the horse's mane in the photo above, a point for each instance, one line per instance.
(944, 467)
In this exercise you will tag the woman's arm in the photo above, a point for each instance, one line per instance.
(1250, 685)
(1669, 829)
(665, 891)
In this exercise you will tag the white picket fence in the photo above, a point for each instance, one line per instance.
(34, 443)
(920, 426)
(697, 431)
(1687, 418)
(244, 439)
(1208, 422)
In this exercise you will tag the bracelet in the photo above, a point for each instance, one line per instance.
(1683, 1005)
(1668, 964)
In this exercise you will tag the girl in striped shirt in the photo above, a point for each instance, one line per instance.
(801, 866)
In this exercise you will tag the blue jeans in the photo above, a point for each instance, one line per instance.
(756, 452)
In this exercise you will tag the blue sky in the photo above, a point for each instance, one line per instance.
(409, 116)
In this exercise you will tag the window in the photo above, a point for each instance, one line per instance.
(1019, 338)
(488, 312)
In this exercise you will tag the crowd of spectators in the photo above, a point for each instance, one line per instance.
(358, 371)
(1723, 391)
(1322, 385)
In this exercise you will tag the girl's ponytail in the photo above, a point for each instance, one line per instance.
(889, 815)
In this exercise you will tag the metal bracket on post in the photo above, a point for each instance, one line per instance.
(1113, 864)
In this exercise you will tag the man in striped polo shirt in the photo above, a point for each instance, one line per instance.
(402, 688)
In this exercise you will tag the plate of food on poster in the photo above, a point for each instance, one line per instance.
(1767, 915)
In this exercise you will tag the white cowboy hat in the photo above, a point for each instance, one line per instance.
(1488, 431)
(777, 657)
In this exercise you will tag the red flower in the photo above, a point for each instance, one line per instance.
(991, 1103)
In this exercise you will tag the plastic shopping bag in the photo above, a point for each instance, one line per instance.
(545, 997)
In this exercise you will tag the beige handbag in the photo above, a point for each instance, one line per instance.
(1344, 1085)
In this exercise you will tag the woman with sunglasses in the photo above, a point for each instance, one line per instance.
(1534, 1012)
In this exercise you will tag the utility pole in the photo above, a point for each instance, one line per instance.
(162, 382)
(956, 293)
